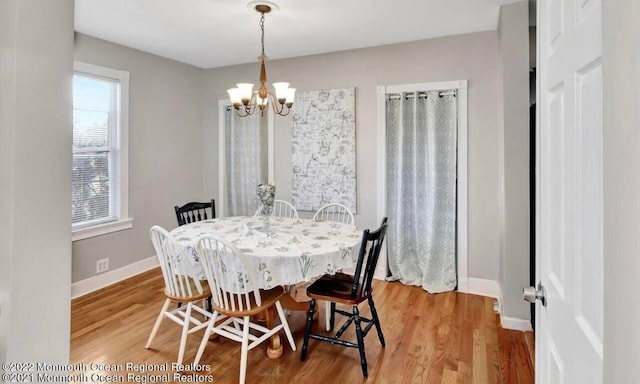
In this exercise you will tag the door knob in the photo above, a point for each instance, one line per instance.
(532, 294)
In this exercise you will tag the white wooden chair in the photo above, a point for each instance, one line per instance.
(236, 299)
(334, 212)
(282, 208)
(179, 287)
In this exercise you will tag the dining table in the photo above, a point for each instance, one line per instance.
(281, 251)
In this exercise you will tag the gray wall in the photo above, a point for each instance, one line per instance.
(36, 65)
(621, 102)
(513, 43)
(165, 151)
(472, 56)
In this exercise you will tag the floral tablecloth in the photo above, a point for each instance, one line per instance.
(285, 250)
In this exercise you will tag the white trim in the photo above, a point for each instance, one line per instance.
(94, 283)
(101, 229)
(435, 86)
(462, 193)
(483, 287)
(463, 188)
(492, 288)
(463, 285)
(222, 165)
(381, 158)
(124, 220)
(271, 149)
(515, 323)
(222, 170)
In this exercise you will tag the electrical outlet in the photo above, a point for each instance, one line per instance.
(102, 265)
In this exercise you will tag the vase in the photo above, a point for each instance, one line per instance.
(267, 194)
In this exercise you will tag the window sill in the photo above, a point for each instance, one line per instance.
(101, 229)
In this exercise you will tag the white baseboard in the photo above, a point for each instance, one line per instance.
(492, 288)
(463, 285)
(94, 283)
(515, 323)
(489, 288)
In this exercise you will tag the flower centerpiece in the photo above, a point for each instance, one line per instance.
(267, 195)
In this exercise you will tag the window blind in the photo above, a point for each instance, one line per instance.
(96, 173)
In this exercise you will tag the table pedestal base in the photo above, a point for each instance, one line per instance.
(275, 350)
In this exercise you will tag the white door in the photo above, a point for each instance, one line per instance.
(569, 218)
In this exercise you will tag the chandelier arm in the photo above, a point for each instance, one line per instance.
(279, 109)
(248, 109)
(240, 113)
(285, 114)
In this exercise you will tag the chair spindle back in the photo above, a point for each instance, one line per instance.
(193, 212)
(368, 260)
(176, 268)
(334, 212)
(232, 284)
(281, 208)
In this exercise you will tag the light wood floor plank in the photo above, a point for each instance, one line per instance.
(431, 339)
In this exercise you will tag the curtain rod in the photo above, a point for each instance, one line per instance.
(410, 95)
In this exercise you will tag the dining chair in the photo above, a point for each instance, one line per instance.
(281, 208)
(349, 290)
(191, 213)
(194, 211)
(334, 212)
(180, 287)
(236, 298)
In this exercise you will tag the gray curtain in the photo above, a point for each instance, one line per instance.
(421, 189)
(246, 161)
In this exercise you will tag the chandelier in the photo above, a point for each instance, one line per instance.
(245, 101)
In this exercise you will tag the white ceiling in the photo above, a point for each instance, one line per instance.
(215, 33)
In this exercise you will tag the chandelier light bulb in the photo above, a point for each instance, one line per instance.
(234, 96)
(290, 95)
(281, 91)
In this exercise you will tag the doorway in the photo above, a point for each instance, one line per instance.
(460, 87)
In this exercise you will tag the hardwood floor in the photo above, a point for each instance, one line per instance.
(445, 338)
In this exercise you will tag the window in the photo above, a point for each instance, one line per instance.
(99, 178)
(245, 159)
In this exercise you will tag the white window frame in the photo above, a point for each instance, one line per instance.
(222, 164)
(84, 231)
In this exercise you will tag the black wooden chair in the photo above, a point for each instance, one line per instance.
(349, 290)
(192, 212)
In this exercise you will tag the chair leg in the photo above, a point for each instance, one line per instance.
(205, 338)
(245, 348)
(158, 321)
(185, 331)
(332, 318)
(285, 325)
(209, 306)
(307, 329)
(376, 320)
(327, 315)
(363, 356)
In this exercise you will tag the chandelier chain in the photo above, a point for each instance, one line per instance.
(262, 28)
